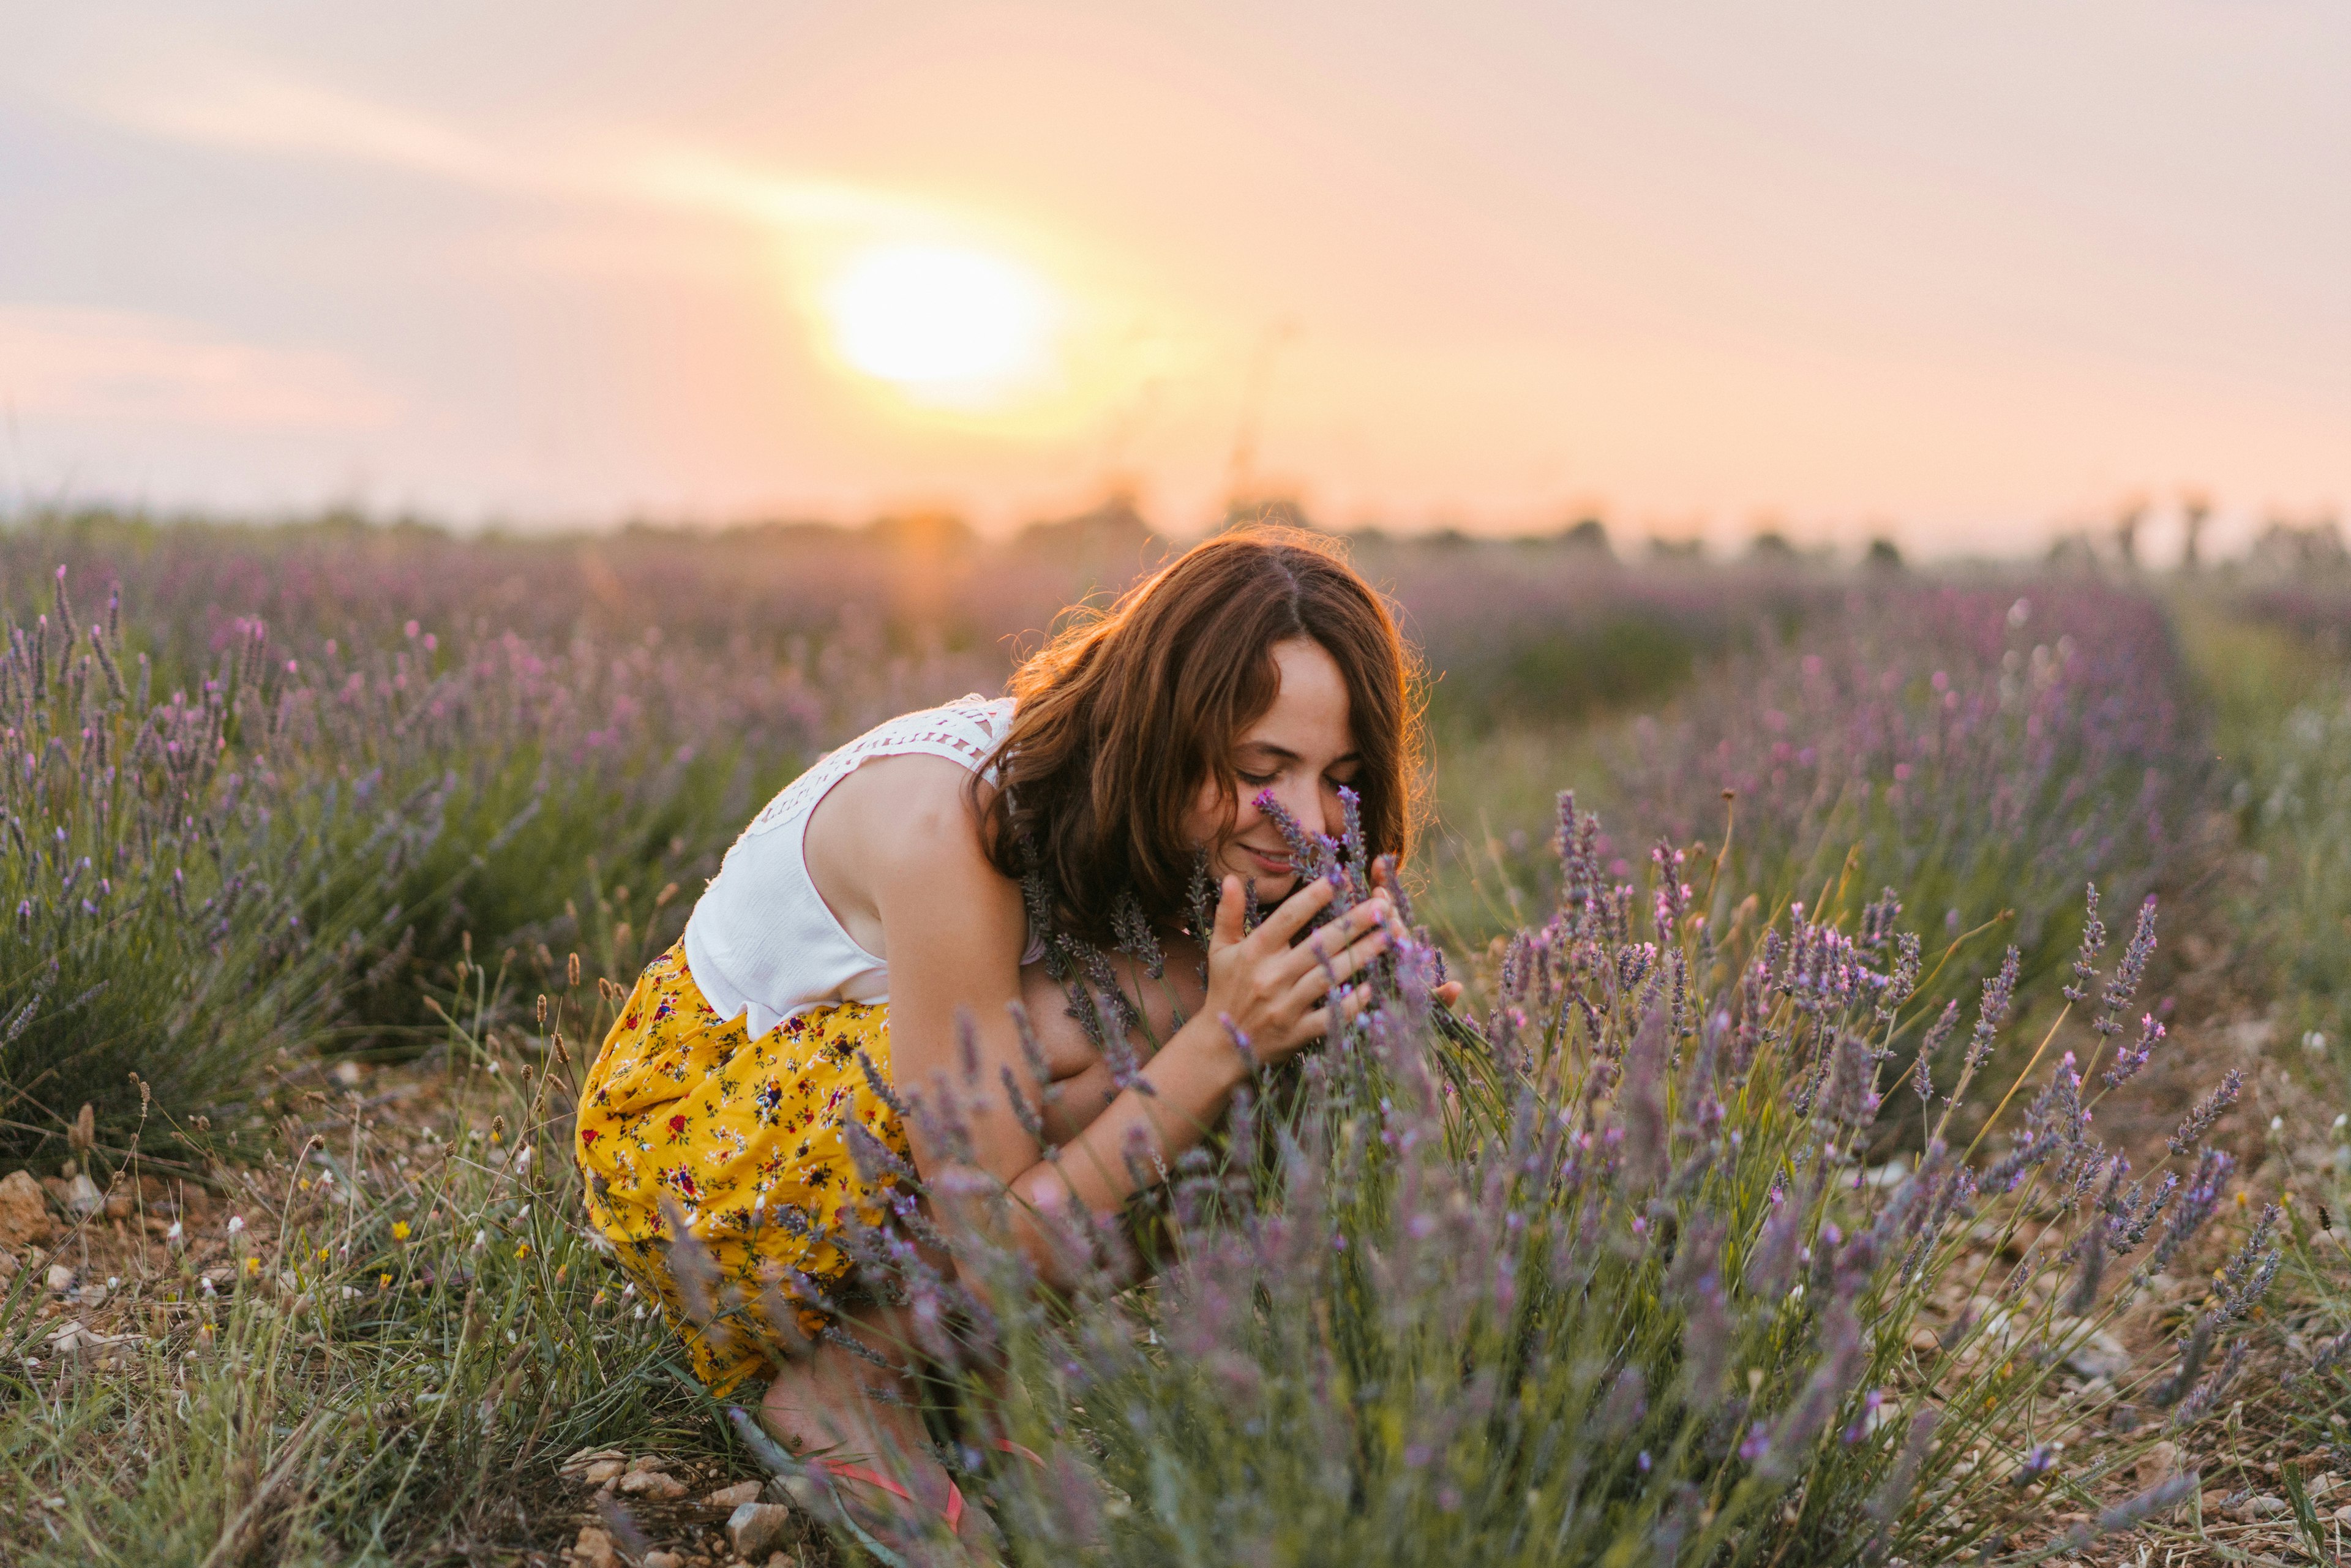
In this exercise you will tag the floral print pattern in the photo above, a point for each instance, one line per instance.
(749, 1139)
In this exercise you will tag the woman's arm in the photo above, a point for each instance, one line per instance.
(898, 844)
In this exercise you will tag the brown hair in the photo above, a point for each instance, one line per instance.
(1123, 716)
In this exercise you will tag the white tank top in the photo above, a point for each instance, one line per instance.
(761, 940)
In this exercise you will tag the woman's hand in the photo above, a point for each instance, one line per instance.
(1383, 877)
(1277, 997)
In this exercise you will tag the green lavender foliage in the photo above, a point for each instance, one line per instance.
(537, 780)
(172, 904)
(1606, 1280)
(1986, 745)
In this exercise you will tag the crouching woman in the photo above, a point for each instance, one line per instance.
(818, 986)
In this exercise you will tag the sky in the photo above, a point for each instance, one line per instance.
(1965, 276)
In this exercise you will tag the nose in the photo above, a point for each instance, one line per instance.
(1304, 801)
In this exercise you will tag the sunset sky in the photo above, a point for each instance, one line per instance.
(1962, 274)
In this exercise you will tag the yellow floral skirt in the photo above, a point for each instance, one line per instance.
(747, 1139)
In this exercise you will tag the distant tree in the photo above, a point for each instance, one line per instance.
(2289, 548)
(2195, 512)
(2074, 551)
(1883, 555)
(1587, 536)
(1285, 511)
(2127, 527)
(1113, 526)
(1772, 548)
(922, 533)
(1692, 548)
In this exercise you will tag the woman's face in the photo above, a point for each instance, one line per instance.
(1302, 750)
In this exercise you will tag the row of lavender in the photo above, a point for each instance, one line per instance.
(271, 802)
(273, 851)
(1988, 745)
(1607, 1283)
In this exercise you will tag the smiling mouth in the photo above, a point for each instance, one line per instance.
(1276, 865)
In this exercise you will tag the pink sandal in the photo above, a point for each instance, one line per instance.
(953, 1513)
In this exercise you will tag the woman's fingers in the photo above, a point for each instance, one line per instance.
(1340, 968)
(1350, 1004)
(1229, 902)
(1291, 915)
(1335, 939)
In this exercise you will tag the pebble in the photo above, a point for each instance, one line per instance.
(662, 1560)
(602, 1472)
(24, 1211)
(82, 1196)
(652, 1484)
(756, 1528)
(61, 1278)
(1923, 1341)
(2261, 1507)
(594, 1548)
(2100, 1355)
(2159, 1463)
(735, 1496)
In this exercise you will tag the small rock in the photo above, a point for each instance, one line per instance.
(1892, 1173)
(2158, 1464)
(735, 1496)
(662, 1560)
(24, 1212)
(1923, 1340)
(756, 1528)
(782, 1559)
(602, 1470)
(2261, 1506)
(2344, 1513)
(121, 1203)
(2101, 1354)
(594, 1548)
(82, 1196)
(586, 1456)
(8, 1265)
(61, 1278)
(652, 1484)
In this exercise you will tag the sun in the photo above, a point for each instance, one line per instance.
(939, 323)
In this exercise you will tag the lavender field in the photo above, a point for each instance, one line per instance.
(1895, 1115)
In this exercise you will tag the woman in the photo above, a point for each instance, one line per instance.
(880, 897)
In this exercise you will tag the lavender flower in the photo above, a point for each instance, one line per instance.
(2199, 1121)
(2094, 942)
(1998, 995)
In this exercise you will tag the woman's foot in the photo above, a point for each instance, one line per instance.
(825, 1412)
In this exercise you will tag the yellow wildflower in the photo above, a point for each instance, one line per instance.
(522, 1249)
(400, 1232)
(383, 1282)
(252, 1265)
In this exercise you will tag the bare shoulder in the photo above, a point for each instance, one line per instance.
(898, 839)
(910, 805)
